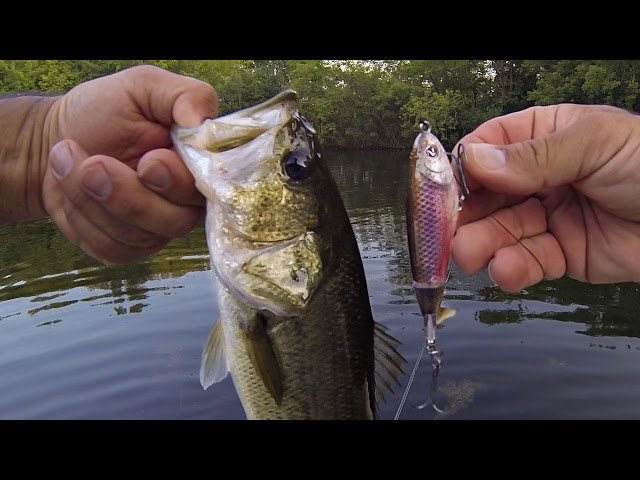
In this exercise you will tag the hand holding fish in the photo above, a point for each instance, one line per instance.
(565, 180)
(98, 160)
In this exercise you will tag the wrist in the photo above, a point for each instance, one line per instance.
(30, 128)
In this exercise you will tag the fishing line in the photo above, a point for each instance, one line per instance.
(462, 183)
(520, 242)
(413, 374)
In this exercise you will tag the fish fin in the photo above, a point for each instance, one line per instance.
(382, 387)
(214, 363)
(373, 403)
(388, 362)
(263, 359)
(444, 314)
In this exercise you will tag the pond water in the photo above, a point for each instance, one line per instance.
(82, 341)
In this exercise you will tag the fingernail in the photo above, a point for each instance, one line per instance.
(158, 177)
(97, 183)
(489, 156)
(61, 160)
(489, 272)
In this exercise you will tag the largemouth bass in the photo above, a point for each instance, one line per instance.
(295, 328)
(432, 212)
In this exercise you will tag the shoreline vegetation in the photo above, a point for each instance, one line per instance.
(372, 148)
(371, 104)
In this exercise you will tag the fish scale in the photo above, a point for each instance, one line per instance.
(434, 233)
(319, 382)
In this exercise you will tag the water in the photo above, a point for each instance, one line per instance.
(81, 341)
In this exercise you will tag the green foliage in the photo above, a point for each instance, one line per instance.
(372, 104)
(611, 82)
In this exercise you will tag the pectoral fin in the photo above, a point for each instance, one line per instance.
(263, 359)
(214, 364)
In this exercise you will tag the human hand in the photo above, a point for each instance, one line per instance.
(113, 185)
(565, 180)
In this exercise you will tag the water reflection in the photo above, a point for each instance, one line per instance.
(66, 268)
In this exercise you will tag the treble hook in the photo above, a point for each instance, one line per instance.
(436, 358)
(462, 182)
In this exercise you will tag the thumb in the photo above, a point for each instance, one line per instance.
(195, 105)
(169, 98)
(560, 158)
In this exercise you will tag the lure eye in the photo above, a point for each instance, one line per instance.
(296, 166)
(432, 151)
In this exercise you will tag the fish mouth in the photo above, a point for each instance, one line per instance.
(240, 127)
(212, 150)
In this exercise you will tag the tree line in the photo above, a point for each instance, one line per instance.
(372, 104)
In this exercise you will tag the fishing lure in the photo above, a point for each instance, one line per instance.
(433, 203)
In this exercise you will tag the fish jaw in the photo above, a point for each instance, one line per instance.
(238, 128)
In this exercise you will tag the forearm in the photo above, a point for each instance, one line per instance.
(28, 131)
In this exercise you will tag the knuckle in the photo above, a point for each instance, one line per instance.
(144, 72)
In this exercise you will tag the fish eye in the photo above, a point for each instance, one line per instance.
(432, 151)
(296, 166)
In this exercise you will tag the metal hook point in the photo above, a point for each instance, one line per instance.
(436, 358)
(462, 182)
